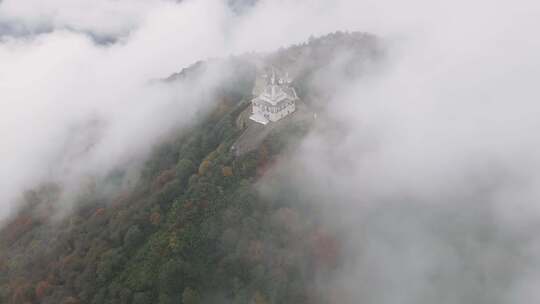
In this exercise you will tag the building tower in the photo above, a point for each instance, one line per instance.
(277, 99)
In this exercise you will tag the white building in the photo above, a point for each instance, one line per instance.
(277, 100)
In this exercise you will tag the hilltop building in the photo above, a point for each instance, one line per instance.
(277, 100)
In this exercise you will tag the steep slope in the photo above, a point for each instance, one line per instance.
(194, 229)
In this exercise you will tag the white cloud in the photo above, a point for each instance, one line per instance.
(54, 83)
(452, 118)
(102, 17)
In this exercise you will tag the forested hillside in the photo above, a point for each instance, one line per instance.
(193, 228)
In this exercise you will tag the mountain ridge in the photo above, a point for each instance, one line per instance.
(194, 228)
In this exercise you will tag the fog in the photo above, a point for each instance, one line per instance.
(431, 178)
(434, 177)
(73, 108)
(70, 64)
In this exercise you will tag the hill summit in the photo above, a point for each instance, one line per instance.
(193, 228)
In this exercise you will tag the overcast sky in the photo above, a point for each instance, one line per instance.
(451, 122)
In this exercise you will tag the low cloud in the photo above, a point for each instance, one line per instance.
(72, 104)
(428, 167)
(433, 177)
(73, 108)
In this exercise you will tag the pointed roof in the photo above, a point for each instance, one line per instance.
(277, 90)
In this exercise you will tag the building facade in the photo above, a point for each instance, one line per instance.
(277, 100)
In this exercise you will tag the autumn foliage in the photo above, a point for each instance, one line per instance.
(41, 289)
(155, 218)
(192, 230)
(205, 164)
(162, 179)
(227, 171)
(17, 228)
(99, 212)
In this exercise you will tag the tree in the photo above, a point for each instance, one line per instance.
(70, 300)
(184, 169)
(255, 250)
(168, 194)
(259, 298)
(204, 167)
(155, 218)
(190, 296)
(22, 293)
(171, 277)
(163, 178)
(142, 298)
(42, 289)
(227, 171)
(110, 262)
(133, 237)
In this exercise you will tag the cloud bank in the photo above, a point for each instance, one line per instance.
(72, 107)
(72, 67)
(432, 177)
(435, 178)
